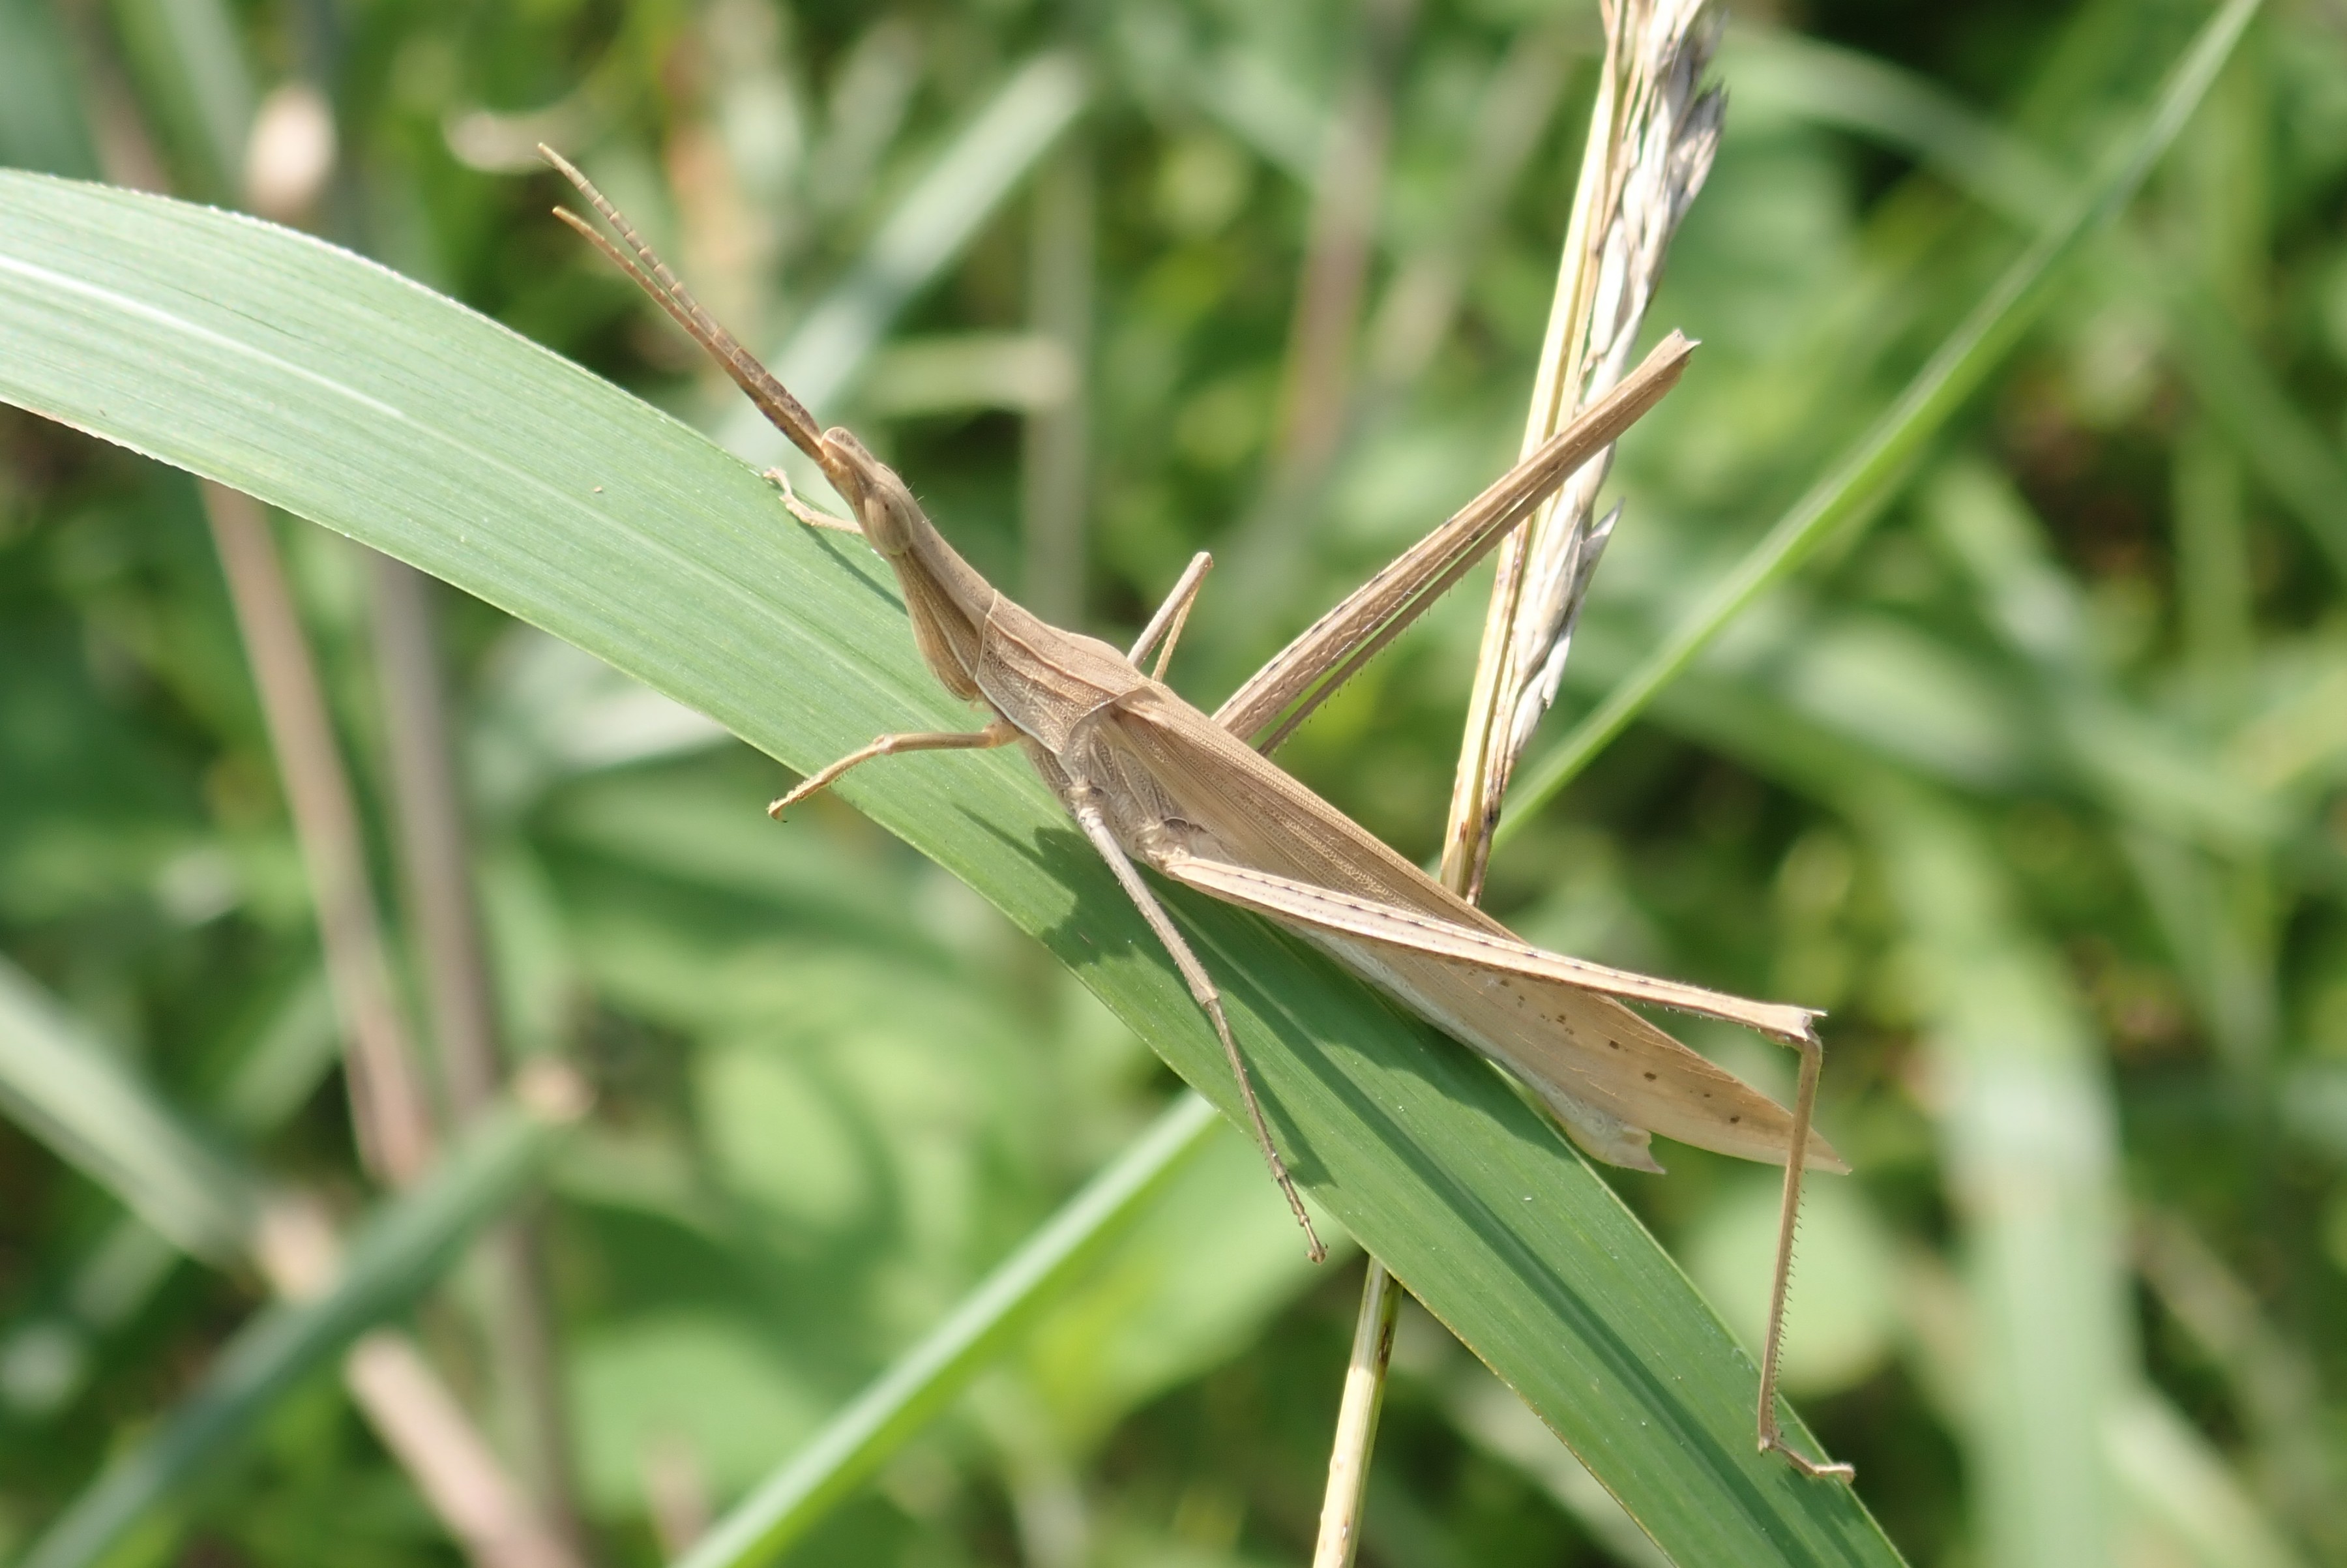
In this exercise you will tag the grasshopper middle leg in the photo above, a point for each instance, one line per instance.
(997, 733)
(1201, 987)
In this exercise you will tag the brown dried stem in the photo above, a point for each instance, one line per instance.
(419, 1421)
(388, 1109)
(386, 1376)
(445, 919)
(1337, 249)
(1054, 467)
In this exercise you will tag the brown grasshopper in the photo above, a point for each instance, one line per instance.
(1153, 781)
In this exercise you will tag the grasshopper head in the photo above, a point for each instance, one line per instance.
(946, 600)
(884, 509)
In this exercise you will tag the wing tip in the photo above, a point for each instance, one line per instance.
(1822, 1156)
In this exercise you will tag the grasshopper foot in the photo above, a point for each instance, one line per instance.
(1817, 1468)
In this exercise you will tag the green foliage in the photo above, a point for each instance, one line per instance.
(2033, 775)
(396, 1256)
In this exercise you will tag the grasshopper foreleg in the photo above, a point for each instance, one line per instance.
(1201, 987)
(998, 733)
(779, 476)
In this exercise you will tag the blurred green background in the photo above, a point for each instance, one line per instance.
(2033, 778)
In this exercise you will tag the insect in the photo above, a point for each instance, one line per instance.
(1152, 781)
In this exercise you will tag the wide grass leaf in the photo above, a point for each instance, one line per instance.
(340, 392)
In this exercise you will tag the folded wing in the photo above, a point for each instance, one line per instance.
(1267, 843)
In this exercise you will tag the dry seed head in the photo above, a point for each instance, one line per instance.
(1651, 142)
(1670, 133)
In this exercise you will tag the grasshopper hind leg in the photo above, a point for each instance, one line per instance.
(1164, 628)
(1805, 1105)
(1201, 987)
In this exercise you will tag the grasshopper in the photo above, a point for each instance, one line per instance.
(1152, 781)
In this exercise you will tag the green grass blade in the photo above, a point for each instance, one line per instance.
(2030, 1141)
(1831, 85)
(80, 1099)
(400, 1253)
(921, 236)
(194, 84)
(2295, 459)
(336, 390)
(118, 1273)
(1779, 72)
(927, 1377)
(2177, 1480)
(1862, 480)
(41, 123)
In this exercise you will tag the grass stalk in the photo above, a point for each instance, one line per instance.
(1651, 120)
(1358, 1409)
